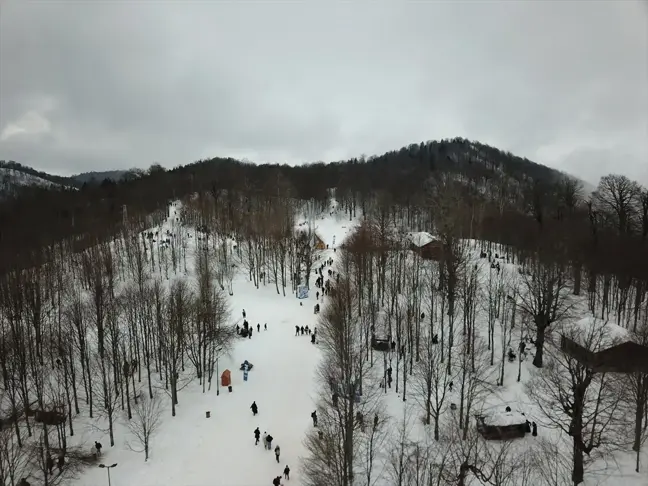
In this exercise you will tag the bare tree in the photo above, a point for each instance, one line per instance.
(13, 460)
(574, 399)
(636, 388)
(617, 198)
(545, 296)
(431, 380)
(347, 400)
(146, 422)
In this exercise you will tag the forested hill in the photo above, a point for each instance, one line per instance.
(59, 213)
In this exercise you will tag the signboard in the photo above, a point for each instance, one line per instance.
(302, 292)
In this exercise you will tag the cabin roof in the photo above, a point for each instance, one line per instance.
(421, 238)
(607, 349)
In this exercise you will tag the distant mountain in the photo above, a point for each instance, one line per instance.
(15, 176)
(458, 155)
(98, 177)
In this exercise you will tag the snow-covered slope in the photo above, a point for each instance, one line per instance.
(192, 450)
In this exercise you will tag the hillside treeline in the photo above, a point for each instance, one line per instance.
(503, 199)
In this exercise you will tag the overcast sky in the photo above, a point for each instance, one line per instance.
(98, 85)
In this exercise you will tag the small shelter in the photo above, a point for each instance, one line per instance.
(318, 243)
(429, 247)
(603, 347)
(501, 426)
(226, 378)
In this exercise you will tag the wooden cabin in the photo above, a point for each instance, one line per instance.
(501, 426)
(429, 247)
(624, 357)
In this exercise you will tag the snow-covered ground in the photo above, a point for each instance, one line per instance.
(192, 450)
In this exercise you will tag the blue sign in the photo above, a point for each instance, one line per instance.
(302, 292)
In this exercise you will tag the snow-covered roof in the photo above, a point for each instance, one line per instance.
(595, 334)
(503, 419)
(421, 238)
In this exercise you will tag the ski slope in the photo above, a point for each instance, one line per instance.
(191, 450)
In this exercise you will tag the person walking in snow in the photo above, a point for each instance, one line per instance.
(534, 432)
(265, 326)
(302, 330)
(276, 481)
(287, 472)
(257, 434)
(250, 334)
(296, 330)
(277, 452)
(265, 440)
(243, 313)
(314, 417)
(254, 408)
(269, 440)
(258, 327)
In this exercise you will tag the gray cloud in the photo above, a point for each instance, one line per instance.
(102, 85)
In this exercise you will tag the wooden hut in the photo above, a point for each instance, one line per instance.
(429, 247)
(501, 426)
(607, 350)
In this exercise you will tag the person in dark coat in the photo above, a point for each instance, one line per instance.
(277, 452)
(276, 481)
(243, 313)
(534, 433)
(375, 421)
(98, 446)
(254, 408)
(527, 427)
(259, 327)
(49, 464)
(287, 472)
(335, 399)
(257, 435)
(60, 463)
(314, 417)
(296, 330)
(269, 441)
(265, 326)
(302, 330)
(313, 338)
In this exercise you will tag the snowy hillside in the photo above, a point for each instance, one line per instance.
(392, 444)
(13, 179)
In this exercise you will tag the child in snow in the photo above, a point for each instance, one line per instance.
(277, 452)
(287, 472)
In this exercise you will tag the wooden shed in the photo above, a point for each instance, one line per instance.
(623, 357)
(501, 426)
(429, 247)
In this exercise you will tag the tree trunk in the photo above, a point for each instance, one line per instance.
(540, 339)
(578, 468)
